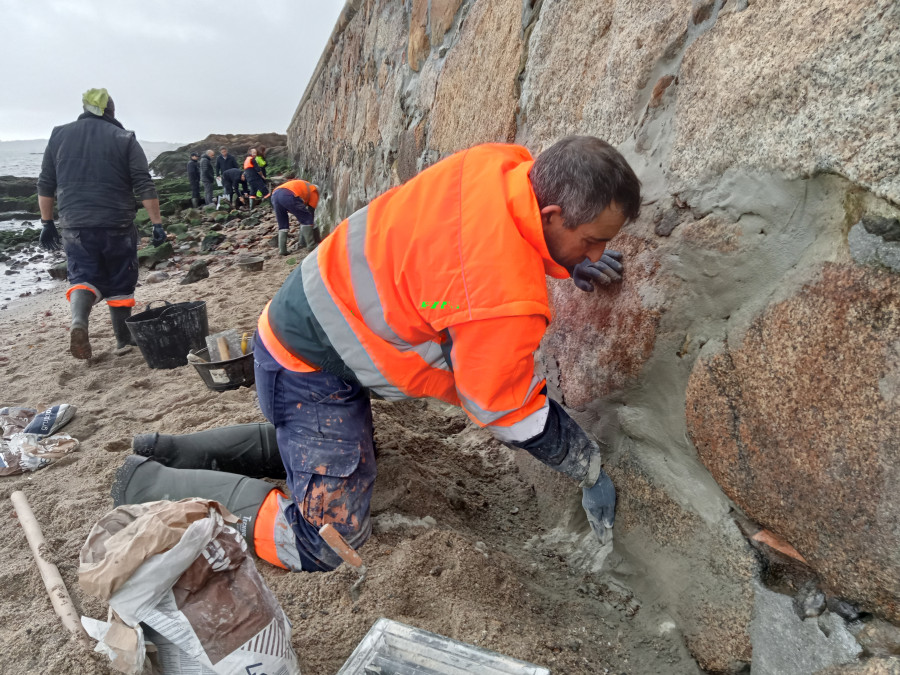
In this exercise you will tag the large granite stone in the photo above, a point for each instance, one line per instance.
(599, 341)
(795, 86)
(800, 424)
(472, 109)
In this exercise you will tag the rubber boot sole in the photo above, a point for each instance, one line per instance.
(79, 343)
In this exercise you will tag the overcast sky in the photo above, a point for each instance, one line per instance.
(178, 70)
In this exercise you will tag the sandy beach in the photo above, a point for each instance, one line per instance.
(456, 550)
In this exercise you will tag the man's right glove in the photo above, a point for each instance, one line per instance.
(50, 240)
(159, 235)
(599, 504)
(605, 271)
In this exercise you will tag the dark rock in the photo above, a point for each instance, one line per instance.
(844, 609)
(886, 228)
(212, 241)
(668, 222)
(799, 426)
(150, 256)
(197, 272)
(809, 601)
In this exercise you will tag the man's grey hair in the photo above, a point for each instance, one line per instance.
(583, 175)
(210, 152)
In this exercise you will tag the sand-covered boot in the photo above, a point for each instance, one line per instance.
(282, 242)
(124, 340)
(195, 202)
(248, 449)
(81, 301)
(141, 480)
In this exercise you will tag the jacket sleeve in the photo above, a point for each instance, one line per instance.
(141, 182)
(494, 369)
(46, 185)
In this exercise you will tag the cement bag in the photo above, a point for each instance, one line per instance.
(178, 577)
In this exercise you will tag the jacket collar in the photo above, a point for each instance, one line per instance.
(105, 118)
(525, 212)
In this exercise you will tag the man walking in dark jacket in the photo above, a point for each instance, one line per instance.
(224, 162)
(95, 168)
(207, 176)
(193, 172)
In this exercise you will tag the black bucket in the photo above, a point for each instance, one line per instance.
(166, 334)
(225, 375)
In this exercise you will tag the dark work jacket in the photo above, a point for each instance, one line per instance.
(225, 163)
(206, 170)
(95, 168)
(193, 171)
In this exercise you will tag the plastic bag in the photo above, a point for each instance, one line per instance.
(179, 577)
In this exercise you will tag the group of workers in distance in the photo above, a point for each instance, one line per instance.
(248, 185)
(242, 184)
(437, 288)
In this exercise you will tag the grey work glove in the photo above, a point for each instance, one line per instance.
(50, 240)
(159, 235)
(604, 272)
(599, 504)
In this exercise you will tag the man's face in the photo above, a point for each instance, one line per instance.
(224, 152)
(568, 247)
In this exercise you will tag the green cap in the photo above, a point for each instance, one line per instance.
(95, 101)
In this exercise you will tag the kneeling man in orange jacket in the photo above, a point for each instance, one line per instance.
(438, 289)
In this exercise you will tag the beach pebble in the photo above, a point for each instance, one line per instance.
(156, 277)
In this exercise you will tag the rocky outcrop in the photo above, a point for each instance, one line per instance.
(172, 163)
(764, 135)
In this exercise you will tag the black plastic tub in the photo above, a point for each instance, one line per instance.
(225, 375)
(166, 334)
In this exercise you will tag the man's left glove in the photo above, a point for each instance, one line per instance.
(50, 240)
(599, 504)
(604, 272)
(159, 235)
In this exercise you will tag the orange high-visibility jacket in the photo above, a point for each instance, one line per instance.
(451, 263)
(308, 192)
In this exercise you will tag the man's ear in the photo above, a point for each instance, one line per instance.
(551, 215)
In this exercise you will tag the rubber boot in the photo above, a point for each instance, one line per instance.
(252, 202)
(282, 242)
(195, 202)
(247, 449)
(124, 340)
(310, 237)
(81, 301)
(141, 480)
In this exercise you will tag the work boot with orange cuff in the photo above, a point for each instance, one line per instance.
(142, 479)
(247, 449)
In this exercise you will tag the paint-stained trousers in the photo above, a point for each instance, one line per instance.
(326, 439)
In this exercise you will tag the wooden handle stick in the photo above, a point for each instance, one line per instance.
(224, 354)
(340, 546)
(56, 588)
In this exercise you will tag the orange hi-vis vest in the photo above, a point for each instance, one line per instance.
(248, 162)
(308, 192)
(451, 264)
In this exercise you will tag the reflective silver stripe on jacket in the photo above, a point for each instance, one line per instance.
(486, 417)
(524, 429)
(367, 299)
(339, 332)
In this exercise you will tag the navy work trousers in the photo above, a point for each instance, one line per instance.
(102, 257)
(326, 439)
(284, 202)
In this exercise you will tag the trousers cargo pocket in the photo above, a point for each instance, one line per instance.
(321, 455)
